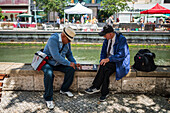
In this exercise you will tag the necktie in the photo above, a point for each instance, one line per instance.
(108, 53)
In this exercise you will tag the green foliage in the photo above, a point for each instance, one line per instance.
(86, 45)
(22, 44)
(114, 6)
(52, 5)
(149, 46)
(1, 16)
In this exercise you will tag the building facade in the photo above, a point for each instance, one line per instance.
(12, 8)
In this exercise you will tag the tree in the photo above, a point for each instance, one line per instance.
(52, 6)
(1, 16)
(114, 6)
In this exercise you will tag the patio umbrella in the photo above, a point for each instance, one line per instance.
(24, 15)
(138, 16)
(38, 16)
(158, 16)
(157, 9)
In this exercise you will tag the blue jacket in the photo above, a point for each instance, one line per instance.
(52, 48)
(121, 55)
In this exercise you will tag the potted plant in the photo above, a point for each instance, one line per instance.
(39, 26)
(10, 26)
(4, 26)
(2, 18)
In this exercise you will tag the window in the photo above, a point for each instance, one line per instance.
(166, 1)
(86, 1)
(98, 1)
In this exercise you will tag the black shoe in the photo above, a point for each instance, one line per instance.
(103, 98)
(92, 90)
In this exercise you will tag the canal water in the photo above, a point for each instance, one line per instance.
(83, 55)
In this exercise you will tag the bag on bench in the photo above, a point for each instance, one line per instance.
(144, 61)
(39, 60)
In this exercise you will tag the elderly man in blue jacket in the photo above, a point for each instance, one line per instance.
(57, 48)
(114, 57)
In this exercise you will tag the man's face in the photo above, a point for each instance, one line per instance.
(108, 36)
(65, 40)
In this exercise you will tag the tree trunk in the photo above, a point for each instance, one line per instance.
(48, 17)
(54, 18)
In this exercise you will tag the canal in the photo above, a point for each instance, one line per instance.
(83, 55)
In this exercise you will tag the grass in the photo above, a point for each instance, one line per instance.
(86, 45)
(148, 46)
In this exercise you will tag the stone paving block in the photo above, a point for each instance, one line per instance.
(139, 85)
(33, 102)
(15, 66)
(4, 66)
(85, 73)
(18, 82)
(160, 85)
(39, 82)
(167, 89)
(168, 82)
(74, 85)
(132, 73)
(84, 82)
(23, 77)
(115, 85)
(159, 72)
(58, 80)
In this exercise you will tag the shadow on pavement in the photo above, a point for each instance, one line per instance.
(25, 102)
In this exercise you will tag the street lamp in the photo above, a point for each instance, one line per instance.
(35, 13)
(133, 2)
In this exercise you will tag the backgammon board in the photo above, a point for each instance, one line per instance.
(89, 67)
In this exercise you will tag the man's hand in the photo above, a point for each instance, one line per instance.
(72, 64)
(104, 61)
(78, 66)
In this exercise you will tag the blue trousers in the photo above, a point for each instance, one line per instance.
(49, 78)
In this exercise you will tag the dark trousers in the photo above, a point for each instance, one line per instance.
(102, 77)
(49, 78)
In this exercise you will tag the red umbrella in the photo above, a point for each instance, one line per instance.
(157, 9)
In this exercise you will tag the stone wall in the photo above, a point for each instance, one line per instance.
(142, 37)
(23, 77)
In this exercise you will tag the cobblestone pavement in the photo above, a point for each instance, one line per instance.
(26, 102)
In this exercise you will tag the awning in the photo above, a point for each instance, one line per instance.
(14, 11)
(24, 15)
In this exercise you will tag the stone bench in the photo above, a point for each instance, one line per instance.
(23, 77)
